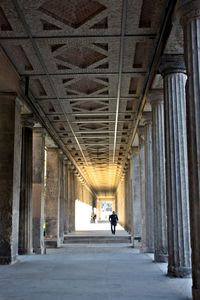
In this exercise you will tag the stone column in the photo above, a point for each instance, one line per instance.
(38, 189)
(66, 188)
(10, 163)
(25, 208)
(62, 198)
(142, 188)
(190, 19)
(149, 210)
(173, 72)
(128, 199)
(73, 199)
(98, 210)
(130, 174)
(52, 199)
(159, 177)
(136, 198)
(69, 195)
(69, 177)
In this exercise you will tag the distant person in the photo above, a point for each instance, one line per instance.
(113, 221)
(94, 218)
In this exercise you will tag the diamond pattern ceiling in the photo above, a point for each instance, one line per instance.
(87, 61)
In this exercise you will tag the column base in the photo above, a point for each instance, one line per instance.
(181, 272)
(39, 250)
(146, 250)
(51, 244)
(24, 251)
(7, 260)
(160, 258)
(195, 293)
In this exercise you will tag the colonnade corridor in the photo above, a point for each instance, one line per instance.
(88, 272)
(99, 116)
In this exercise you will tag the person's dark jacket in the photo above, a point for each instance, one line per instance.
(113, 219)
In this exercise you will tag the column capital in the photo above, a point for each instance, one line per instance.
(135, 150)
(27, 120)
(146, 118)
(61, 155)
(156, 97)
(141, 134)
(72, 167)
(39, 129)
(172, 64)
(187, 10)
(130, 153)
(147, 121)
(66, 160)
(141, 131)
(10, 95)
(69, 163)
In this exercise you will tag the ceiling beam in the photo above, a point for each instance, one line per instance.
(123, 28)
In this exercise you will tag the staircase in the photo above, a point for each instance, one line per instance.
(96, 238)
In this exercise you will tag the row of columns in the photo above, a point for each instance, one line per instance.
(164, 184)
(175, 180)
(37, 183)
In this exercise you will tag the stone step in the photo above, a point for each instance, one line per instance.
(74, 239)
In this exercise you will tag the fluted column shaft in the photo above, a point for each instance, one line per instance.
(136, 197)
(38, 189)
(10, 162)
(131, 196)
(66, 188)
(142, 190)
(128, 199)
(149, 187)
(73, 202)
(176, 167)
(190, 19)
(25, 209)
(62, 199)
(159, 178)
(52, 198)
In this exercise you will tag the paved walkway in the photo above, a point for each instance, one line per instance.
(99, 229)
(90, 272)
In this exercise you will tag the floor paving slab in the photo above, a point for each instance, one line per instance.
(90, 272)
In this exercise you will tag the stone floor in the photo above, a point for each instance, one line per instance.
(90, 272)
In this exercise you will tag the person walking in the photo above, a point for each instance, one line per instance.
(113, 221)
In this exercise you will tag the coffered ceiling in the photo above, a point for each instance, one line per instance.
(87, 62)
